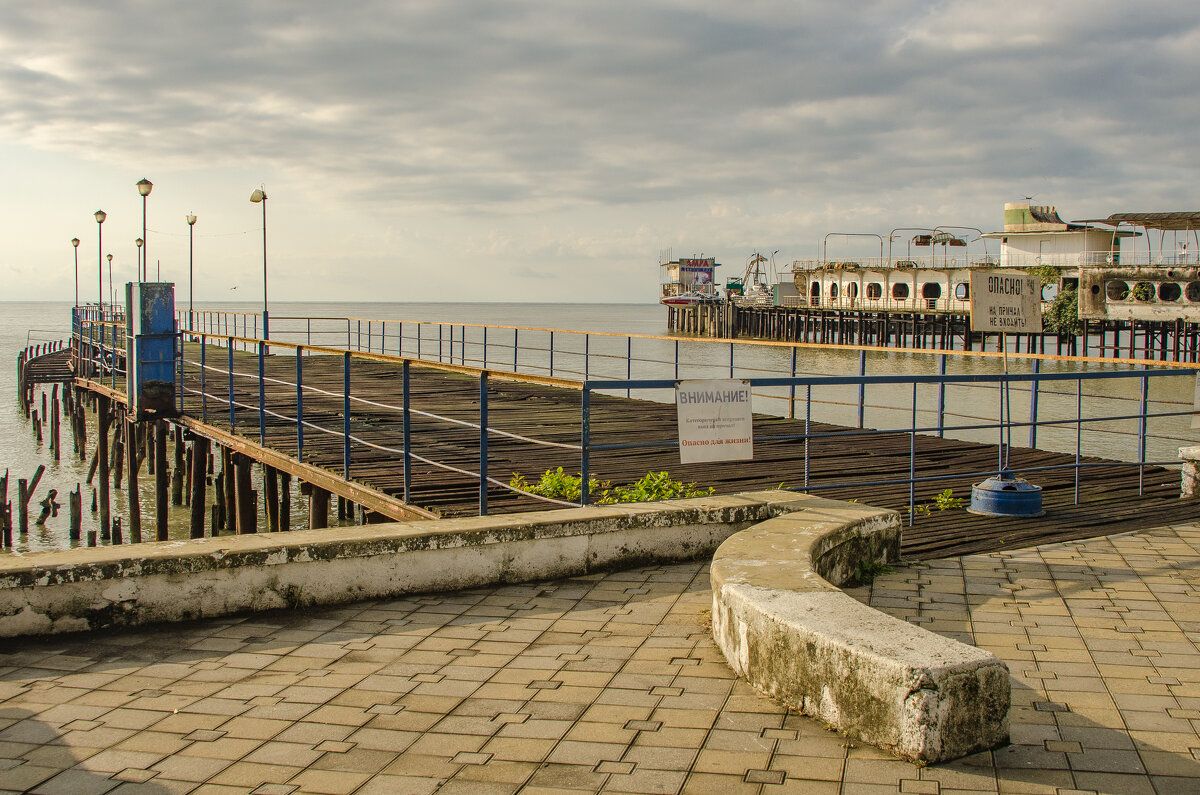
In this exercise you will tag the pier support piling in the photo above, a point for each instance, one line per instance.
(160, 480)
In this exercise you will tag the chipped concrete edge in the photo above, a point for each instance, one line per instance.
(109, 587)
(785, 627)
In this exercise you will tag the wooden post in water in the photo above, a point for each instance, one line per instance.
(230, 479)
(318, 508)
(55, 445)
(116, 530)
(75, 507)
(5, 519)
(118, 452)
(177, 474)
(160, 480)
(285, 502)
(133, 495)
(247, 519)
(271, 486)
(102, 418)
(199, 455)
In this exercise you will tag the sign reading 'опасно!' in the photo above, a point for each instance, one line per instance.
(1007, 301)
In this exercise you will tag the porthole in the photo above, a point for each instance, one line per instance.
(1169, 291)
(931, 290)
(900, 291)
(962, 291)
(874, 290)
(1192, 292)
(833, 291)
(1143, 292)
(1117, 291)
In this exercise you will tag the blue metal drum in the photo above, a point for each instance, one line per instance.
(1006, 495)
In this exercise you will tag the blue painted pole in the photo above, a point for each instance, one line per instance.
(807, 424)
(584, 442)
(203, 372)
(792, 389)
(551, 354)
(628, 362)
(483, 444)
(587, 356)
(862, 387)
(1033, 405)
(941, 408)
(1142, 434)
(676, 360)
(262, 396)
(232, 423)
(912, 459)
(404, 382)
(515, 348)
(485, 350)
(299, 404)
(346, 414)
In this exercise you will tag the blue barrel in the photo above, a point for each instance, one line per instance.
(1006, 495)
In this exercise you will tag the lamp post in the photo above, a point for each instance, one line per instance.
(141, 266)
(75, 243)
(191, 219)
(100, 215)
(111, 302)
(260, 197)
(144, 187)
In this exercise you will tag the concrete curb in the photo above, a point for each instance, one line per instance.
(107, 587)
(784, 626)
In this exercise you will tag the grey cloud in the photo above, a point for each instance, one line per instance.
(523, 106)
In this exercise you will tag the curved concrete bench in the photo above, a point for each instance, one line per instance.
(789, 632)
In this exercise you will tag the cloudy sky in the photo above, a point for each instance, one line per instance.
(484, 150)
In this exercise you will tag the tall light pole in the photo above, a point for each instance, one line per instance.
(75, 243)
(260, 197)
(141, 267)
(191, 219)
(144, 187)
(100, 215)
(111, 302)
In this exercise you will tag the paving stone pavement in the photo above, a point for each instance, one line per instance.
(611, 683)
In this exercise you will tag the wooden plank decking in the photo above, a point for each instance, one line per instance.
(1109, 502)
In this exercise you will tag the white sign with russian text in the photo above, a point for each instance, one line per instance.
(715, 421)
(1006, 300)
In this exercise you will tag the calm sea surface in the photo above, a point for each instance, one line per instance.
(27, 323)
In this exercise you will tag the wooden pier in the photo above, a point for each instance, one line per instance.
(1174, 340)
(1109, 499)
(213, 449)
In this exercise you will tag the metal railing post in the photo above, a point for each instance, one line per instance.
(347, 333)
(792, 388)
(232, 421)
(551, 354)
(862, 387)
(203, 373)
(587, 357)
(941, 402)
(807, 424)
(1078, 432)
(628, 362)
(485, 350)
(676, 360)
(299, 404)
(731, 360)
(912, 459)
(440, 356)
(483, 444)
(419, 339)
(262, 396)
(1033, 405)
(404, 383)
(1142, 433)
(346, 414)
(585, 433)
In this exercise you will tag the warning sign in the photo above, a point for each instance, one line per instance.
(1006, 300)
(715, 421)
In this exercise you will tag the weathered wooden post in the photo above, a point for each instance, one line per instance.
(199, 457)
(231, 512)
(134, 496)
(102, 418)
(118, 450)
(177, 474)
(160, 480)
(285, 502)
(271, 486)
(75, 506)
(318, 507)
(247, 518)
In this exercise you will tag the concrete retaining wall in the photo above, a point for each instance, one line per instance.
(785, 627)
(105, 587)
